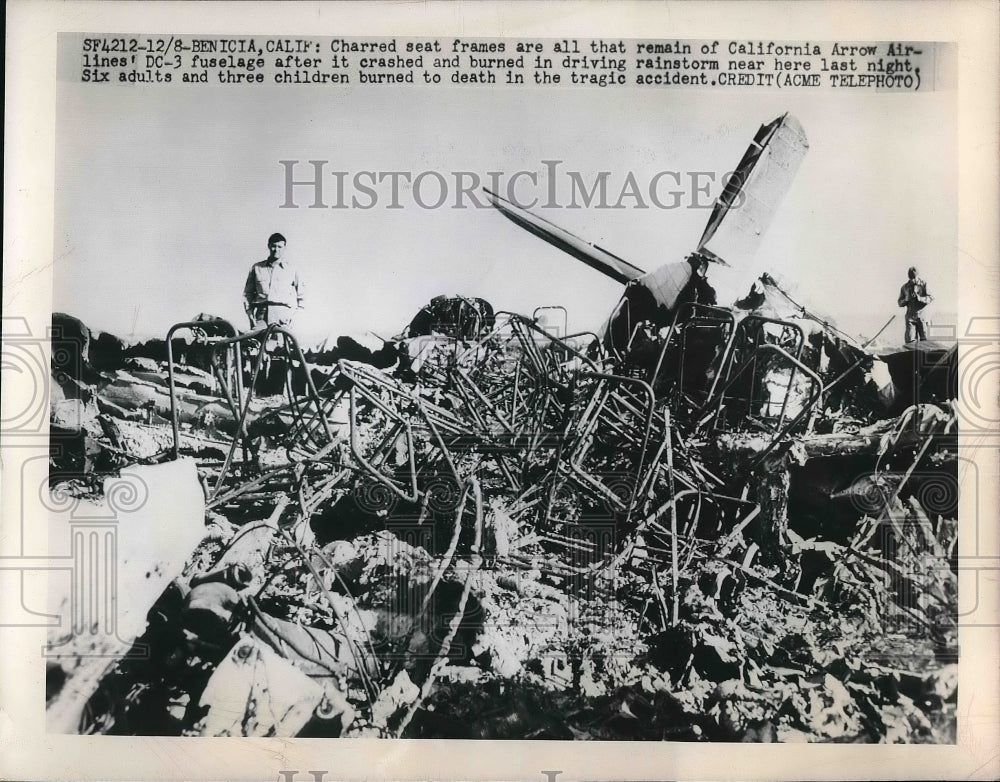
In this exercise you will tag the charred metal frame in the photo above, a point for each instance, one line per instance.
(750, 335)
(693, 313)
(234, 349)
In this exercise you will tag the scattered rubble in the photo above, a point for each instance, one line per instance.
(128, 543)
(509, 533)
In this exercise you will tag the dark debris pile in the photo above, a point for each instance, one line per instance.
(507, 533)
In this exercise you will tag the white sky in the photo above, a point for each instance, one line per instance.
(164, 198)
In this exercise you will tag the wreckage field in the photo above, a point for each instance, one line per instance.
(739, 527)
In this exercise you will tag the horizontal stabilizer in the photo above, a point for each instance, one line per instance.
(605, 262)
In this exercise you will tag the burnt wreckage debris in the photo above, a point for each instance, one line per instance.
(730, 525)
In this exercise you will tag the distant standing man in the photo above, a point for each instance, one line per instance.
(273, 291)
(914, 297)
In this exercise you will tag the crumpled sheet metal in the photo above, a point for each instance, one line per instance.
(255, 692)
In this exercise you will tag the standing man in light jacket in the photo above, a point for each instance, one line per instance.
(273, 291)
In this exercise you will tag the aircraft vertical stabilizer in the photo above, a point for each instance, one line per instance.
(751, 197)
